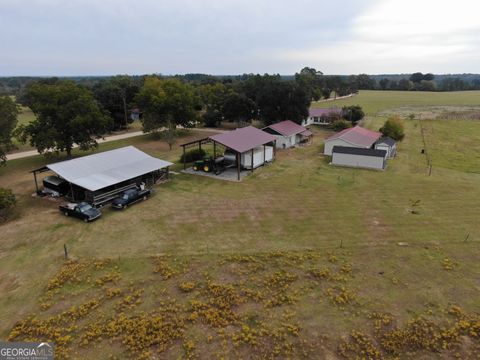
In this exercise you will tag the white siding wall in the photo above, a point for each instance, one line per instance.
(284, 142)
(307, 121)
(390, 150)
(369, 162)
(331, 143)
(246, 157)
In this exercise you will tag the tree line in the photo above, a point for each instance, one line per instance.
(69, 112)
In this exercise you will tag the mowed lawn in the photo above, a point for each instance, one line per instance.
(341, 244)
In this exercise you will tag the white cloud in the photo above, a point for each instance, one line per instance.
(404, 36)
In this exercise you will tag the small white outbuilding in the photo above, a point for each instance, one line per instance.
(388, 144)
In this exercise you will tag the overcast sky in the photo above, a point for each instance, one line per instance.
(104, 37)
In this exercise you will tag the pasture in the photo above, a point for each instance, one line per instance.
(373, 102)
(299, 260)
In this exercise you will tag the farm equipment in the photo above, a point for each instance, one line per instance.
(209, 164)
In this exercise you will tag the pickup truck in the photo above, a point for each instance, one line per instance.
(81, 210)
(130, 197)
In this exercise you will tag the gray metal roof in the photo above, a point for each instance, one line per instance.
(358, 151)
(386, 140)
(107, 168)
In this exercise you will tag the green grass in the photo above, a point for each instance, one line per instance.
(373, 102)
(296, 205)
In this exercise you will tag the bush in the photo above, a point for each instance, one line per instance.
(353, 113)
(193, 155)
(341, 124)
(7, 201)
(393, 128)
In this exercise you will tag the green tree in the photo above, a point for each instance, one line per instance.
(7, 201)
(416, 77)
(353, 113)
(276, 99)
(405, 84)
(311, 81)
(66, 114)
(384, 83)
(8, 122)
(341, 124)
(393, 128)
(364, 82)
(427, 85)
(166, 104)
(116, 95)
(238, 107)
(212, 97)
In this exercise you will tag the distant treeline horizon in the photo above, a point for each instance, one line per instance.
(13, 85)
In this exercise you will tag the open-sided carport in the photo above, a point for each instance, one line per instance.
(100, 177)
(244, 143)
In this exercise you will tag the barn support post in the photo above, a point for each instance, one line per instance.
(184, 159)
(71, 189)
(274, 149)
(252, 160)
(264, 155)
(214, 150)
(238, 166)
(36, 183)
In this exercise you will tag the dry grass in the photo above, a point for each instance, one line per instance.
(300, 205)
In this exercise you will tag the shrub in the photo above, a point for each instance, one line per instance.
(339, 125)
(193, 155)
(7, 201)
(393, 128)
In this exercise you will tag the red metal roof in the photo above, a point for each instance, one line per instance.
(357, 136)
(243, 139)
(287, 128)
(323, 112)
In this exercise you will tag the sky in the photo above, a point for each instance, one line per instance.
(107, 37)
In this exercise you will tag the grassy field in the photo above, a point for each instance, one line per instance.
(373, 102)
(300, 260)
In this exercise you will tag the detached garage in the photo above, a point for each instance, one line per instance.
(358, 157)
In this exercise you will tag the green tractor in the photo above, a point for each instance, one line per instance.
(208, 164)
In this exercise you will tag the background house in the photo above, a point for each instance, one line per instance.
(322, 116)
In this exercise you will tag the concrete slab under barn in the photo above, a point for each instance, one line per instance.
(227, 175)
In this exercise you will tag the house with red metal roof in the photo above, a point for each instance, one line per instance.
(357, 137)
(322, 116)
(288, 133)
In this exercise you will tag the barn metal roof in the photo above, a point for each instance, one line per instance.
(357, 136)
(244, 139)
(287, 128)
(107, 168)
(358, 151)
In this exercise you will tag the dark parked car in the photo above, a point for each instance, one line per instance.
(82, 210)
(130, 197)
